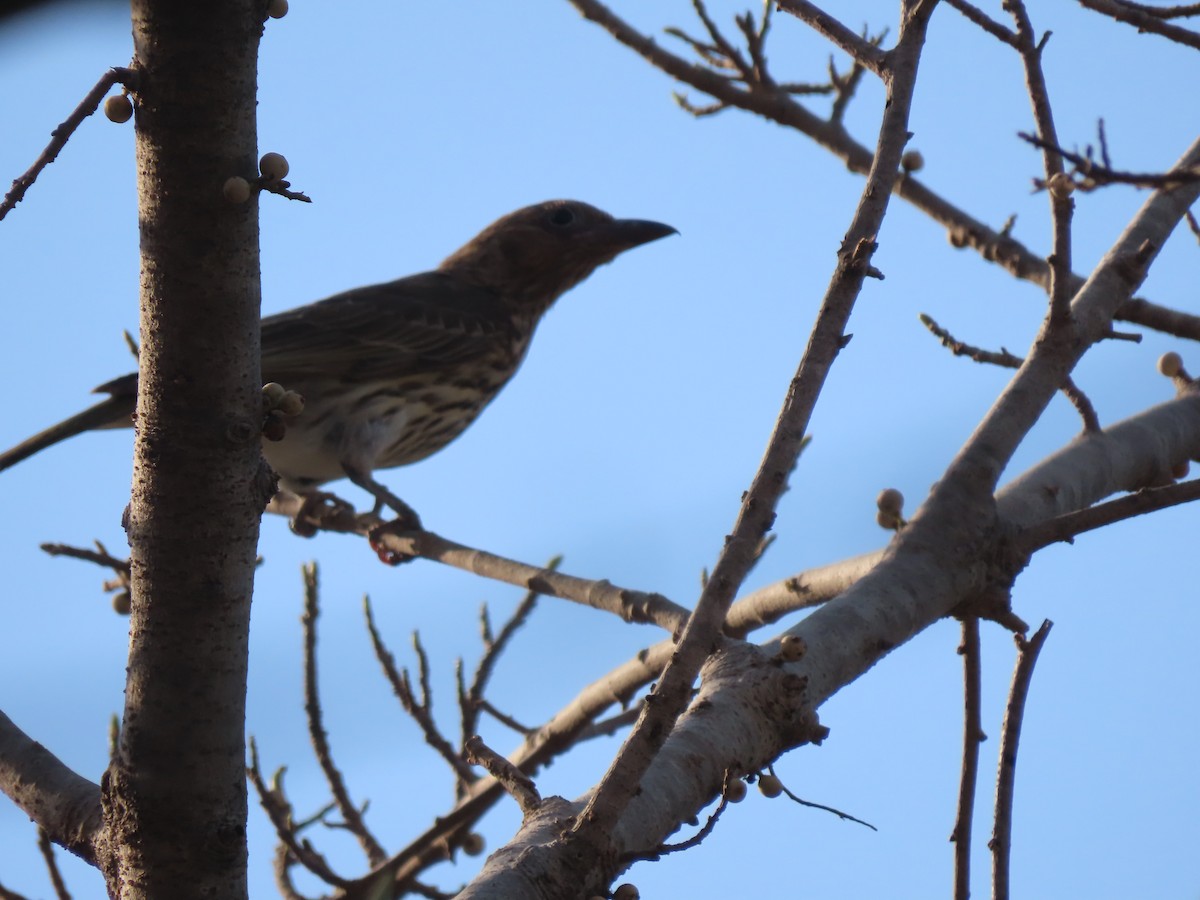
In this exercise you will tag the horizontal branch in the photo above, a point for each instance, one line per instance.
(630, 605)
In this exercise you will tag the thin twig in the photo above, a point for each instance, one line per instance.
(46, 848)
(279, 810)
(1007, 360)
(1096, 174)
(275, 186)
(504, 719)
(1193, 224)
(1010, 738)
(316, 729)
(100, 556)
(695, 840)
(972, 736)
(519, 785)
(471, 699)
(420, 710)
(613, 724)
(984, 21)
(1062, 207)
(964, 230)
(844, 816)
(860, 49)
(61, 134)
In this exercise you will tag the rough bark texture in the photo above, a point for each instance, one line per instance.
(174, 795)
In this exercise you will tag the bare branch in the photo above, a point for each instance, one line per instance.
(502, 718)
(1066, 527)
(420, 710)
(279, 810)
(844, 816)
(276, 186)
(63, 803)
(972, 736)
(316, 729)
(695, 840)
(1010, 738)
(1062, 207)
(472, 699)
(1097, 174)
(61, 134)
(861, 50)
(1165, 12)
(46, 848)
(700, 637)
(963, 229)
(1134, 14)
(988, 24)
(519, 785)
(631, 606)
(1004, 359)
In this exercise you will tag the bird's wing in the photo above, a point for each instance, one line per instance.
(385, 330)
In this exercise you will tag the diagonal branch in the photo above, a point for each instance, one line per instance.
(64, 804)
(860, 49)
(62, 134)
(757, 514)
(1131, 14)
(1004, 359)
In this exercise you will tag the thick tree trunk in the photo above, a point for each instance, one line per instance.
(174, 795)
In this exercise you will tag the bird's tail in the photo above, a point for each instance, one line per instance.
(114, 412)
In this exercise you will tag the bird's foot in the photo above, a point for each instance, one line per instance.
(321, 511)
(406, 517)
(385, 549)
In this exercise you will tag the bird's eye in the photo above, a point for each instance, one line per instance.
(562, 216)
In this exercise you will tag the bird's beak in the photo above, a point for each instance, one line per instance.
(635, 232)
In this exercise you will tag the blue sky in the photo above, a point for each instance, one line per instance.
(635, 424)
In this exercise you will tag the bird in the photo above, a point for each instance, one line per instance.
(391, 373)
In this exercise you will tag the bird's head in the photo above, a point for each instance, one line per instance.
(534, 255)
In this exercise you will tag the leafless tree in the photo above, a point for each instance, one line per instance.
(737, 678)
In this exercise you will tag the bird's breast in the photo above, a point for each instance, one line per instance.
(380, 424)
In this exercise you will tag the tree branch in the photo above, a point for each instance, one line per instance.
(1010, 738)
(973, 734)
(60, 135)
(316, 729)
(1131, 14)
(65, 805)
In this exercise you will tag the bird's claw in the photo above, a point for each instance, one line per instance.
(403, 526)
(321, 510)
